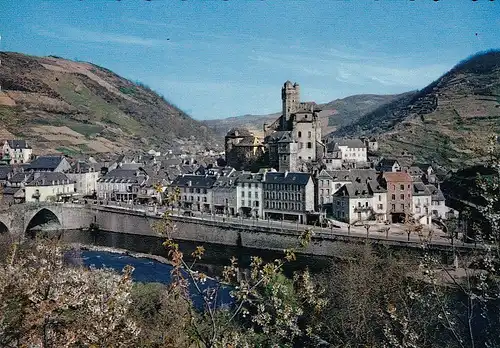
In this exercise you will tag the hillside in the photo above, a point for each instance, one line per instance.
(447, 121)
(78, 107)
(337, 113)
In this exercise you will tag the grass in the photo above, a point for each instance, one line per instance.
(84, 148)
(68, 152)
(128, 90)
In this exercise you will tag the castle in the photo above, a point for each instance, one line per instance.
(291, 142)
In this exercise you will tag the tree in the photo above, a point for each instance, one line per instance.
(44, 303)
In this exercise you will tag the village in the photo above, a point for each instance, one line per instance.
(293, 174)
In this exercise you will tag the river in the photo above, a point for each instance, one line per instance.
(148, 270)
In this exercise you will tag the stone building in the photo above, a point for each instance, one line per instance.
(288, 196)
(360, 201)
(244, 151)
(349, 150)
(49, 186)
(196, 191)
(295, 137)
(399, 187)
(249, 194)
(224, 195)
(121, 184)
(85, 177)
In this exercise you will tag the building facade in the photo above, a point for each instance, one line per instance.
(288, 196)
(196, 191)
(18, 151)
(399, 188)
(49, 187)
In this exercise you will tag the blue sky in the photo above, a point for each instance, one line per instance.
(218, 59)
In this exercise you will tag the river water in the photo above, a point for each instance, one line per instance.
(152, 271)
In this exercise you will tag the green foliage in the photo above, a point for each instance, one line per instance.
(128, 90)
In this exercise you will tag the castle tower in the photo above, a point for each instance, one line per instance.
(287, 152)
(290, 97)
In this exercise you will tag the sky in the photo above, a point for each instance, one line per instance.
(217, 59)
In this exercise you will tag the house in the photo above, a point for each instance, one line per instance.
(49, 186)
(224, 195)
(13, 192)
(121, 184)
(288, 196)
(399, 186)
(372, 144)
(18, 151)
(438, 202)
(332, 160)
(421, 203)
(5, 171)
(195, 191)
(388, 165)
(249, 194)
(351, 150)
(415, 172)
(49, 164)
(360, 201)
(85, 177)
(330, 181)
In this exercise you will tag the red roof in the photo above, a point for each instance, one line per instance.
(397, 177)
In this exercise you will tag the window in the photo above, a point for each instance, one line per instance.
(242, 202)
(402, 196)
(322, 192)
(267, 195)
(267, 204)
(402, 187)
(327, 192)
(250, 194)
(359, 204)
(300, 134)
(309, 145)
(393, 207)
(379, 198)
(300, 146)
(242, 193)
(198, 198)
(380, 206)
(337, 186)
(256, 203)
(205, 199)
(402, 207)
(309, 134)
(393, 197)
(256, 195)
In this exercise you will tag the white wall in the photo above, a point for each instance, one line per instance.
(47, 191)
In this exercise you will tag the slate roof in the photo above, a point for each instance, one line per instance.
(287, 178)
(46, 179)
(123, 176)
(352, 174)
(18, 144)
(387, 162)
(360, 190)
(436, 193)
(249, 177)
(224, 182)
(4, 172)
(201, 181)
(46, 162)
(275, 136)
(419, 189)
(21, 177)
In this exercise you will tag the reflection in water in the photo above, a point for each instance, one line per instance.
(149, 271)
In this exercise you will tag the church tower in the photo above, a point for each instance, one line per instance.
(290, 97)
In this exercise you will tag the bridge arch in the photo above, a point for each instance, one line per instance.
(42, 220)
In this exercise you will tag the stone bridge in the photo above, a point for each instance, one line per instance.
(24, 220)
